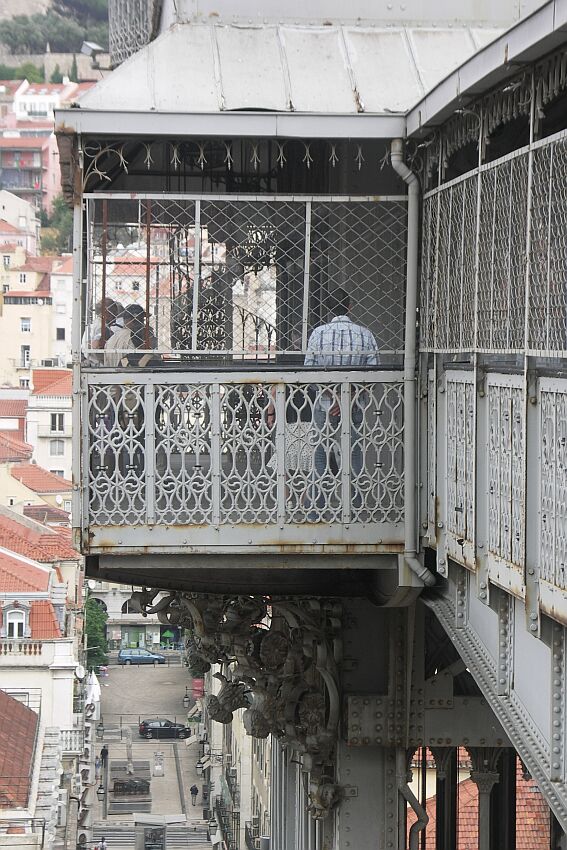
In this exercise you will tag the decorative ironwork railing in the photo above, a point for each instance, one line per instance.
(494, 256)
(202, 457)
(241, 277)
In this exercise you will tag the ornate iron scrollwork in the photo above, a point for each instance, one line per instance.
(280, 660)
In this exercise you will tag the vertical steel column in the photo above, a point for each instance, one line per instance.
(196, 275)
(148, 270)
(216, 453)
(280, 449)
(346, 451)
(104, 253)
(150, 451)
(80, 417)
(306, 275)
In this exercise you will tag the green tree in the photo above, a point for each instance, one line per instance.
(57, 76)
(30, 72)
(7, 73)
(95, 629)
(65, 33)
(74, 73)
(60, 237)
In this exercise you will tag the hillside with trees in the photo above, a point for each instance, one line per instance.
(64, 27)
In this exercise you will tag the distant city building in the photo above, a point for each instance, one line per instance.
(49, 420)
(19, 223)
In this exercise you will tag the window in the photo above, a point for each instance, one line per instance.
(22, 277)
(25, 325)
(57, 421)
(24, 383)
(6, 260)
(67, 505)
(5, 287)
(22, 222)
(11, 501)
(58, 472)
(60, 334)
(57, 448)
(25, 356)
(60, 309)
(15, 624)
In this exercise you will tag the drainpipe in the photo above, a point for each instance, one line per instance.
(410, 405)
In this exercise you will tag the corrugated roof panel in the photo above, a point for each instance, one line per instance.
(438, 52)
(384, 69)
(318, 70)
(251, 68)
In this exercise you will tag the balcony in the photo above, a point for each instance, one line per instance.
(209, 463)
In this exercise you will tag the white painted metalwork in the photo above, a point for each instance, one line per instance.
(501, 246)
(131, 26)
(326, 68)
(460, 470)
(553, 487)
(247, 276)
(211, 454)
(506, 462)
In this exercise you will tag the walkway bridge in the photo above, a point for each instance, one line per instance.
(405, 554)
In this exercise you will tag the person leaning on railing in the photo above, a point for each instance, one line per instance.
(339, 343)
(128, 348)
(129, 345)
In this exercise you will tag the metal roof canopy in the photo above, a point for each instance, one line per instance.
(525, 43)
(271, 80)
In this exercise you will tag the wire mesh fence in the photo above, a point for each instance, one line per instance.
(494, 257)
(239, 278)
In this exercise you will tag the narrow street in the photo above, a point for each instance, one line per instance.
(131, 694)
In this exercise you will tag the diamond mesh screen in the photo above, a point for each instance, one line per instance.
(244, 278)
(485, 258)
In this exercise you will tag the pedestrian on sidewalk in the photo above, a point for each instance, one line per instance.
(104, 756)
(103, 845)
(98, 765)
(194, 791)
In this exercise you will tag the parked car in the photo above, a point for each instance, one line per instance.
(159, 728)
(140, 656)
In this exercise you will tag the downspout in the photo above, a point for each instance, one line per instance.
(410, 380)
(407, 794)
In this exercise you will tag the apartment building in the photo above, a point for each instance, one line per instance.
(49, 420)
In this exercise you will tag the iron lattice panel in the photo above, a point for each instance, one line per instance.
(460, 458)
(131, 24)
(221, 452)
(486, 260)
(506, 473)
(245, 278)
(553, 486)
(548, 255)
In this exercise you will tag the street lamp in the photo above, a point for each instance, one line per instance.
(100, 729)
(213, 826)
(199, 768)
(100, 792)
(186, 698)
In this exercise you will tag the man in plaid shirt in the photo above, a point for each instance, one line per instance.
(339, 343)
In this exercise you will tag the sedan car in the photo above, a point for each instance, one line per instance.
(140, 656)
(159, 728)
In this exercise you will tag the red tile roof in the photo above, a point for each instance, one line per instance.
(40, 480)
(45, 513)
(13, 407)
(6, 227)
(18, 729)
(532, 816)
(20, 575)
(13, 450)
(52, 382)
(36, 264)
(33, 540)
(43, 622)
(65, 267)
